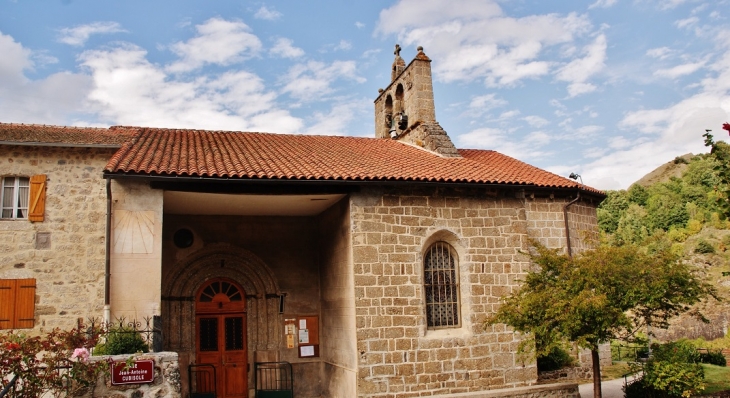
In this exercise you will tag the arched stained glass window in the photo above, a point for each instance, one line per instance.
(441, 284)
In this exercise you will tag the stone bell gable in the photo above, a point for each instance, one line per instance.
(405, 110)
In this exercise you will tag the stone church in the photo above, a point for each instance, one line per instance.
(369, 264)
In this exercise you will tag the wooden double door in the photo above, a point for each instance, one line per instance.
(220, 325)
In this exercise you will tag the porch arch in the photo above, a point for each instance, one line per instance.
(185, 277)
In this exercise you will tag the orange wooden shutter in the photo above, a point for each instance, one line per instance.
(37, 202)
(7, 303)
(25, 304)
(17, 303)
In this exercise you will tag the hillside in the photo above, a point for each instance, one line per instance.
(676, 205)
(663, 173)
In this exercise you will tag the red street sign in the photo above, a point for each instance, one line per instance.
(139, 372)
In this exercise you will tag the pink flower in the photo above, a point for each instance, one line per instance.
(81, 353)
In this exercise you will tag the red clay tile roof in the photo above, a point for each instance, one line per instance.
(37, 134)
(196, 153)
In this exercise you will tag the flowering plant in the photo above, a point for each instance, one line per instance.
(56, 364)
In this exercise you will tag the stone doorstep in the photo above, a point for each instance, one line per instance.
(569, 390)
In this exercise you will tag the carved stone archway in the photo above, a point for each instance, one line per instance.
(184, 278)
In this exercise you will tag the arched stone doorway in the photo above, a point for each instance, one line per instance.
(182, 281)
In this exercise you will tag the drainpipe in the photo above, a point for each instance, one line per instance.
(107, 265)
(565, 217)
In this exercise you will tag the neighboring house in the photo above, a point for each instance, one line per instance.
(370, 264)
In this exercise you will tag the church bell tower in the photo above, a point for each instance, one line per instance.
(405, 110)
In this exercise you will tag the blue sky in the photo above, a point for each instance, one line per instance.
(608, 89)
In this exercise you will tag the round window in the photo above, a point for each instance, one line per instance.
(183, 238)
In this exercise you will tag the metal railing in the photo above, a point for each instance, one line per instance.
(149, 329)
(628, 352)
(273, 380)
(9, 386)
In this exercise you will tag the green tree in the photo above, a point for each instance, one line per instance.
(631, 226)
(721, 152)
(603, 294)
(638, 194)
(611, 210)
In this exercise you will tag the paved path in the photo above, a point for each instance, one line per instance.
(609, 389)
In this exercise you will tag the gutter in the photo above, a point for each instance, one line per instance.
(107, 262)
(565, 217)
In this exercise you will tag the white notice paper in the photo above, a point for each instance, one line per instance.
(302, 324)
(307, 350)
(303, 336)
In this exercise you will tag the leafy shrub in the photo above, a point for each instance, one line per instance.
(121, 341)
(704, 247)
(680, 351)
(639, 389)
(676, 379)
(36, 360)
(713, 357)
(557, 358)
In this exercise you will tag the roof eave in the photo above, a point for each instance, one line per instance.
(60, 144)
(349, 182)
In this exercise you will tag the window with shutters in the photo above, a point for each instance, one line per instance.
(441, 285)
(23, 197)
(17, 303)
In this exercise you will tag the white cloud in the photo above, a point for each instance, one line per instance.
(338, 121)
(482, 104)
(665, 133)
(679, 70)
(525, 149)
(218, 42)
(130, 90)
(267, 14)
(586, 131)
(683, 23)
(343, 45)
(359, 25)
(669, 4)
(55, 99)
(579, 70)
(603, 4)
(78, 35)
(509, 114)
(312, 80)
(476, 41)
(619, 142)
(536, 121)
(660, 52)
(284, 48)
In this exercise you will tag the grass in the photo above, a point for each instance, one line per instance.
(615, 371)
(717, 378)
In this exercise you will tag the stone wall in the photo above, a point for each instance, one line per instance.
(546, 222)
(166, 383)
(399, 356)
(338, 335)
(70, 272)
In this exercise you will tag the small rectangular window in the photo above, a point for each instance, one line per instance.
(15, 194)
(17, 303)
